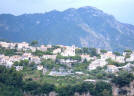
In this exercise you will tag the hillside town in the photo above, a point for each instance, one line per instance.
(57, 66)
(65, 55)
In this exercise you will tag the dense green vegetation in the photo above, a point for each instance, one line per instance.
(117, 53)
(12, 84)
(90, 51)
(99, 73)
(21, 63)
(31, 81)
(103, 51)
(111, 62)
(34, 43)
(53, 48)
(41, 53)
(81, 66)
(128, 51)
(123, 79)
(98, 89)
(50, 64)
(8, 52)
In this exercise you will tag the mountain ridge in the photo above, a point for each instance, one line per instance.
(85, 26)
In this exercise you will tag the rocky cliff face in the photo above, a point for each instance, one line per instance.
(86, 26)
(124, 91)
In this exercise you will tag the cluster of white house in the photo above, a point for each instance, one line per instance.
(69, 50)
(64, 51)
(102, 61)
(9, 60)
(27, 55)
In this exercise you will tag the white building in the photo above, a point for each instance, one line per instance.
(19, 68)
(42, 48)
(90, 80)
(53, 57)
(5, 61)
(87, 57)
(68, 62)
(4, 44)
(128, 67)
(15, 58)
(44, 71)
(22, 45)
(35, 59)
(69, 51)
(97, 63)
(112, 69)
(8, 64)
(120, 59)
(40, 67)
(79, 73)
(108, 55)
(26, 56)
(56, 51)
(98, 51)
(49, 46)
(131, 58)
(12, 45)
(33, 49)
(55, 73)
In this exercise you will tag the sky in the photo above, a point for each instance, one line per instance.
(123, 10)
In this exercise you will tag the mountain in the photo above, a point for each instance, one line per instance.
(86, 26)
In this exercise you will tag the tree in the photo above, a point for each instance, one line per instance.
(49, 64)
(16, 46)
(128, 51)
(34, 43)
(111, 62)
(99, 75)
(103, 88)
(22, 63)
(32, 87)
(66, 90)
(103, 51)
(10, 77)
(47, 88)
(8, 52)
(85, 50)
(123, 79)
(10, 82)
(127, 56)
(93, 52)
(78, 51)
(117, 53)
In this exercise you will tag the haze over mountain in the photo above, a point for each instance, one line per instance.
(86, 26)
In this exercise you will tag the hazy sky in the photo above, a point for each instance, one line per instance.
(123, 10)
